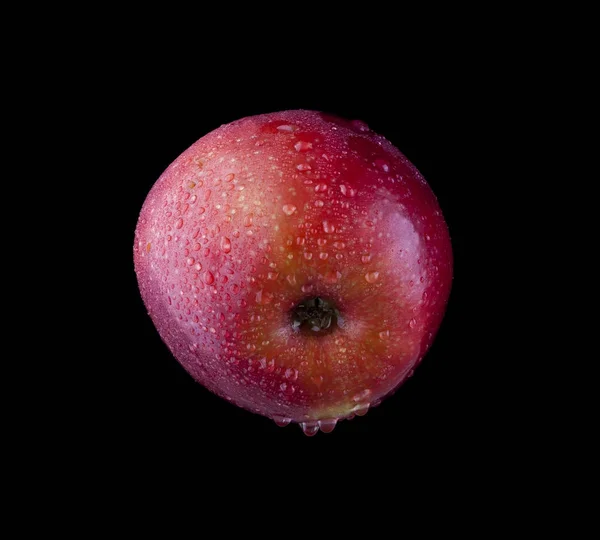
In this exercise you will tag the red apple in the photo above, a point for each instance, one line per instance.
(295, 264)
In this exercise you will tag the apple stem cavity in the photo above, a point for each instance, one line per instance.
(315, 316)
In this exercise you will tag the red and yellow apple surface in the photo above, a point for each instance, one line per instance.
(295, 264)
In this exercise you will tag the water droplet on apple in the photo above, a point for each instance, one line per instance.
(385, 334)
(366, 258)
(306, 288)
(321, 241)
(320, 188)
(360, 126)
(382, 164)
(328, 227)
(303, 167)
(361, 396)
(190, 261)
(291, 374)
(323, 255)
(309, 428)
(289, 209)
(179, 223)
(286, 128)
(412, 323)
(332, 277)
(201, 209)
(209, 278)
(308, 255)
(272, 275)
(372, 277)
(319, 203)
(225, 244)
(300, 240)
(248, 220)
(327, 425)
(291, 279)
(361, 410)
(303, 146)
(339, 245)
(198, 267)
(229, 177)
(282, 421)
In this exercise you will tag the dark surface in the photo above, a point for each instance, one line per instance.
(142, 404)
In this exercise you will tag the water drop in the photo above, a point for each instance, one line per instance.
(385, 334)
(209, 278)
(361, 396)
(272, 275)
(323, 255)
(309, 428)
(303, 167)
(372, 277)
(308, 255)
(229, 177)
(332, 277)
(322, 241)
(320, 188)
(360, 126)
(225, 244)
(339, 245)
(307, 288)
(291, 374)
(248, 220)
(198, 267)
(282, 421)
(328, 425)
(286, 128)
(191, 261)
(366, 258)
(303, 146)
(291, 279)
(361, 410)
(319, 203)
(412, 323)
(382, 164)
(289, 209)
(179, 223)
(328, 227)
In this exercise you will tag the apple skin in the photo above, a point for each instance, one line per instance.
(268, 211)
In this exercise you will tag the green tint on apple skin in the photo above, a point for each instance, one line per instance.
(295, 264)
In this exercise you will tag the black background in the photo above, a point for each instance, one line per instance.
(106, 100)
(136, 408)
(446, 400)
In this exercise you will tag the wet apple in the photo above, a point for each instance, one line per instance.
(296, 264)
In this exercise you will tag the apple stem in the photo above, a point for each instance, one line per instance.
(314, 316)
